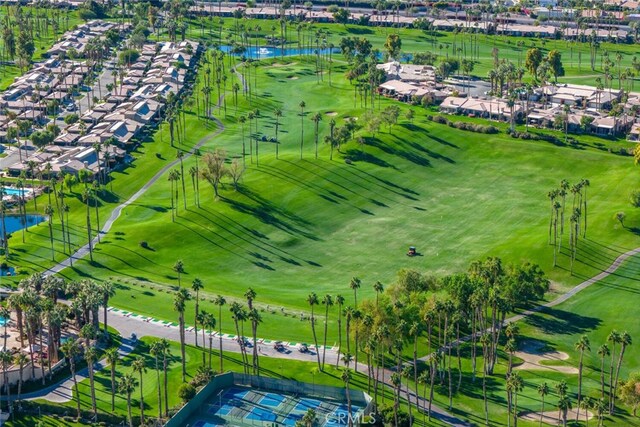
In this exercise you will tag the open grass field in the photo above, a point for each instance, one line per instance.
(296, 226)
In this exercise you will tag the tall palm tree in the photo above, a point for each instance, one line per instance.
(220, 301)
(70, 350)
(625, 340)
(86, 197)
(108, 290)
(112, 357)
(210, 324)
(126, 385)
(6, 360)
(48, 211)
(316, 119)
(312, 300)
(256, 319)
(277, 113)
(582, 345)
(196, 286)
(543, 391)
(166, 353)
(339, 302)
(238, 315)
(516, 385)
(603, 352)
(355, 285)
(156, 351)
(564, 406)
(378, 288)
(614, 338)
(179, 304)
(90, 356)
(139, 366)
(346, 378)
(178, 267)
(20, 359)
(327, 301)
(302, 107)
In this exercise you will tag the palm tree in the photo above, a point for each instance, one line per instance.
(48, 211)
(543, 390)
(20, 359)
(339, 302)
(625, 340)
(564, 406)
(327, 301)
(220, 301)
(355, 285)
(166, 353)
(582, 345)
(139, 366)
(277, 113)
(178, 267)
(603, 352)
(316, 118)
(112, 357)
(515, 386)
(6, 359)
(302, 107)
(346, 378)
(70, 350)
(256, 319)
(196, 286)
(90, 355)
(378, 288)
(210, 324)
(312, 299)
(156, 351)
(434, 361)
(86, 196)
(126, 385)
(614, 337)
(179, 304)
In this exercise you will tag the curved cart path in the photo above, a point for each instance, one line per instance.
(117, 211)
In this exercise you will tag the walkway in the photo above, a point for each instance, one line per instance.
(115, 214)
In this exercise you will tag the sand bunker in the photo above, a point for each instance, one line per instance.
(278, 65)
(533, 356)
(331, 113)
(551, 417)
(293, 77)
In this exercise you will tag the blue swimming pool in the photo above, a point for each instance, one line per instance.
(10, 191)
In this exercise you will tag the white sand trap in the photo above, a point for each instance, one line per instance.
(278, 65)
(551, 417)
(533, 355)
(293, 77)
(331, 113)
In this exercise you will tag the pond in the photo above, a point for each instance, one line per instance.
(15, 222)
(274, 52)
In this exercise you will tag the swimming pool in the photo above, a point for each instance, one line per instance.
(10, 191)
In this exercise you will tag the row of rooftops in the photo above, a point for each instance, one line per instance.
(139, 100)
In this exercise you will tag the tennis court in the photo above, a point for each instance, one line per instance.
(244, 406)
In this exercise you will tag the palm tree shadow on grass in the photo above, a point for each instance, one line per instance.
(269, 213)
(396, 151)
(356, 155)
(552, 321)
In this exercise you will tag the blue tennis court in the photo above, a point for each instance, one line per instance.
(272, 400)
(204, 424)
(220, 410)
(235, 393)
(291, 420)
(305, 404)
(259, 414)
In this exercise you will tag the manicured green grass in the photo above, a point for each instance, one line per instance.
(575, 55)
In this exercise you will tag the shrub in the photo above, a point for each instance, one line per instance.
(186, 392)
(440, 119)
(634, 198)
(144, 244)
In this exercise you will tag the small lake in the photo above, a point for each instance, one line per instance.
(15, 222)
(276, 52)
